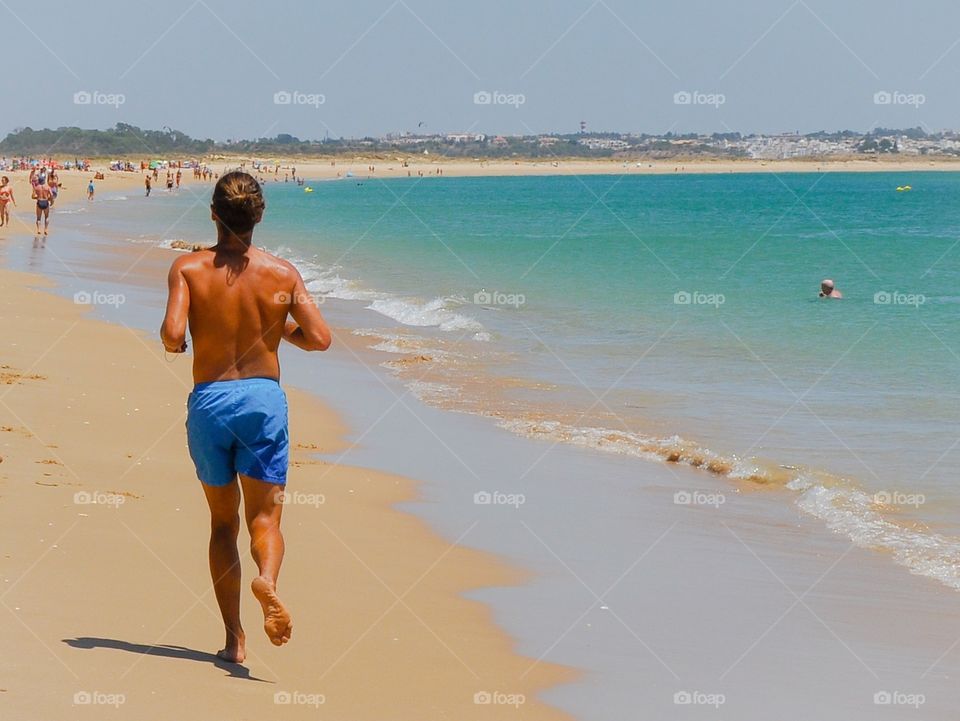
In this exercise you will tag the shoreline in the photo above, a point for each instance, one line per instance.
(358, 167)
(95, 476)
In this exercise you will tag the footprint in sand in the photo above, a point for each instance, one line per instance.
(14, 429)
(9, 376)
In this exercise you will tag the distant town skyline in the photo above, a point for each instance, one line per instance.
(240, 69)
(130, 141)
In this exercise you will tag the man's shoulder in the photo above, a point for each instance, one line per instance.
(194, 259)
(278, 264)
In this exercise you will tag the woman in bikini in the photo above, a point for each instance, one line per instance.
(6, 197)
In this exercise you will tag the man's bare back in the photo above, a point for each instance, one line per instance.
(237, 302)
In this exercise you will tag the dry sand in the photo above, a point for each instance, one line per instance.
(110, 602)
(392, 167)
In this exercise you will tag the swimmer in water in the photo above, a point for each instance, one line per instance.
(828, 289)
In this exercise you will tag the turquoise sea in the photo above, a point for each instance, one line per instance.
(672, 318)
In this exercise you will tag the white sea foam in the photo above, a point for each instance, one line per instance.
(844, 508)
(428, 392)
(856, 515)
(401, 343)
(436, 313)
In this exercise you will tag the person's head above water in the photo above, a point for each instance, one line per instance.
(828, 289)
(237, 203)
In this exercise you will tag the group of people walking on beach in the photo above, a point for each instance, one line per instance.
(44, 187)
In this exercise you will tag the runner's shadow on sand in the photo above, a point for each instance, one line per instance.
(234, 670)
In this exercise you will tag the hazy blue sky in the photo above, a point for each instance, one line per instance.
(212, 67)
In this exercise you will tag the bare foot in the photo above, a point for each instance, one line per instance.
(276, 617)
(235, 650)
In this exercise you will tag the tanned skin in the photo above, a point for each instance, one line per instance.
(237, 300)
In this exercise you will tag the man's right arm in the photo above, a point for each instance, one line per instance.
(173, 331)
(308, 330)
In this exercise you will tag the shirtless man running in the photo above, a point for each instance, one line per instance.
(236, 299)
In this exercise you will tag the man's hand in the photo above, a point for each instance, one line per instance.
(180, 349)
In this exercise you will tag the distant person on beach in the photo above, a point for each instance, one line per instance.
(828, 289)
(237, 299)
(146, 183)
(90, 190)
(6, 197)
(44, 197)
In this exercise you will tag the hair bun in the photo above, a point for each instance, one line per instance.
(238, 201)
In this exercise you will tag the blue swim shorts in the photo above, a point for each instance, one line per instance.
(238, 426)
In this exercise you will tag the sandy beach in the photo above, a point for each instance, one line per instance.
(393, 167)
(105, 589)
